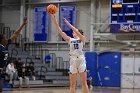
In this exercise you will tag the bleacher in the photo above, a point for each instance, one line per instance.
(48, 71)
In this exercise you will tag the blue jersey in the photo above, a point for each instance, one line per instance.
(88, 75)
(4, 54)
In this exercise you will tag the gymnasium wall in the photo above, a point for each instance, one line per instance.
(105, 11)
(10, 16)
(83, 20)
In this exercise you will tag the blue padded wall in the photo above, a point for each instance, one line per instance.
(105, 68)
(110, 68)
(91, 59)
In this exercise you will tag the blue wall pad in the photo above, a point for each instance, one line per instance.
(110, 68)
(91, 59)
(105, 68)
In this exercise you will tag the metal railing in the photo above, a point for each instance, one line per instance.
(13, 53)
(36, 50)
(13, 49)
(42, 71)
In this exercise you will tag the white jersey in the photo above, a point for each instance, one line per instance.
(76, 47)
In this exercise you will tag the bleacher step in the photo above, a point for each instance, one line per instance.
(54, 73)
(57, 77)
(43, 85)
(31, 82)
(63, 82)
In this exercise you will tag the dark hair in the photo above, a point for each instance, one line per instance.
(31, 63)
(88, 68)
(81, 31)
(1, 37)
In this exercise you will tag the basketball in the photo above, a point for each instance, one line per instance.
(51, 9)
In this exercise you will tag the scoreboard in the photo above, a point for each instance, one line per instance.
(125, 16)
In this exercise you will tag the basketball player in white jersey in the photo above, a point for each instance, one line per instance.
(77, 59)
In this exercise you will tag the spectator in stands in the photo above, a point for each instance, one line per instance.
(89, 79)
(31, 71)
(4, 48)
(11, 71)
(18, 64)
(22, 74)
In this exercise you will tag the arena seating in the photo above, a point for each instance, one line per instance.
(47, 74)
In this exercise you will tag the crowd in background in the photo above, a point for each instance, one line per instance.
(18, 70)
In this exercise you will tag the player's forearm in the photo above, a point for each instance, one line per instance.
(71, 26)
(65, 37)
(17, 32)
(59, 29)
(82, 37)
(56, 24)
(19, 29)
(75, 30)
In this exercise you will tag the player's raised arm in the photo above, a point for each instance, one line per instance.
(65, 37)
(17, 32)
(82, 37)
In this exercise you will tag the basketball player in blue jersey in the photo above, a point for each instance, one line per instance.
(4, 48)
(77, 59)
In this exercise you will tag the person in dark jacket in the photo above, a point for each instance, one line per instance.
(31, 71)
(22, 74)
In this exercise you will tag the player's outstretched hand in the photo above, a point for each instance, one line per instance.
(65, 20)
(25, 20)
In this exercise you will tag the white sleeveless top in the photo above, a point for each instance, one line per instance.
(76, 47)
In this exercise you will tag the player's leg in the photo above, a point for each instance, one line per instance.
(11, 77)
(91, 87)
(88, 83)
(20, 81)
(27, 81)
(73, 82)
(82, 72)
(73, 74)
(84, 82)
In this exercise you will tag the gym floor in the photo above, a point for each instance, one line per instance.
(66, 90)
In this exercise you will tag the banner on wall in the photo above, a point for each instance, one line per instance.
(40, 24)
(68, 12)
(120, 28)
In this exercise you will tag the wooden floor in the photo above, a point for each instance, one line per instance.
(66, 90)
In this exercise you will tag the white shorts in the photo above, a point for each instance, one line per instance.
(77, 64)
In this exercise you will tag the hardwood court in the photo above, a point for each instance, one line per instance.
(66, 90)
